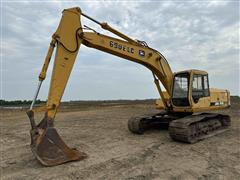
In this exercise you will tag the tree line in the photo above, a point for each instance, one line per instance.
(19, 102)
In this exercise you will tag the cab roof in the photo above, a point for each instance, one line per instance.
(194, 71)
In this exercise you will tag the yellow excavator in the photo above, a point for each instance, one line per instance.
(184, 102)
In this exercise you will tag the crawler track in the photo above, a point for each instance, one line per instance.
(182, 127)
(198, 127)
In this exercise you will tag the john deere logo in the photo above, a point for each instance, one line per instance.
(141, 53)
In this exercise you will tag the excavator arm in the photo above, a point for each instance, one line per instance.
(46, 144)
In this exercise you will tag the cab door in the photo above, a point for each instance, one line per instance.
(181, 90)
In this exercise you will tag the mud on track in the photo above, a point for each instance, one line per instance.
(115, 153)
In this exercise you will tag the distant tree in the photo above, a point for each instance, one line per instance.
(18, 102)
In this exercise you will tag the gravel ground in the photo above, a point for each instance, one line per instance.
(115, 153)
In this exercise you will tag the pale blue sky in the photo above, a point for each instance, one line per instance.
(190, 34)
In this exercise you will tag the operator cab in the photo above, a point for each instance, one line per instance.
(189, 86)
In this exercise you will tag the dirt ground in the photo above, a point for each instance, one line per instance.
(114, 152)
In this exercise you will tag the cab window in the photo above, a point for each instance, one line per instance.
(200, 87)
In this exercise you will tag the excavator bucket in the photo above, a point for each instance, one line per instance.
(49, 148)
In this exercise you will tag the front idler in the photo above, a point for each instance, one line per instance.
(47, 146)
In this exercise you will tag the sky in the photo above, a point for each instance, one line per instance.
(190, 34)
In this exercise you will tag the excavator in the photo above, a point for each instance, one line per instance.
(185, 103)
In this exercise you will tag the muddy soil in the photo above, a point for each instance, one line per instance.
(115, 153)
